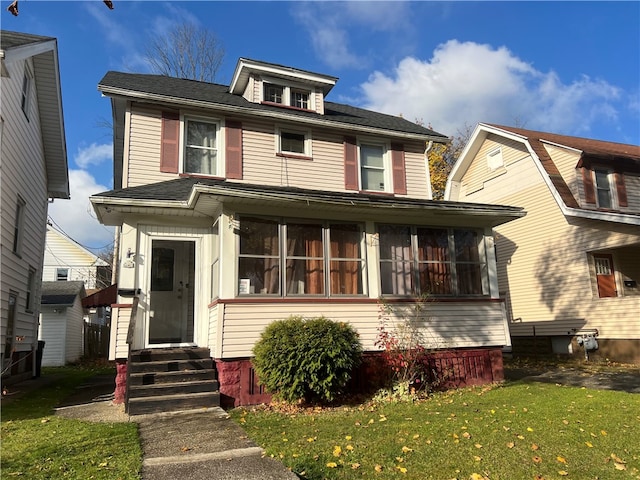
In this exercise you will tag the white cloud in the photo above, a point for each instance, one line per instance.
(467, 83)
(76, 216)
(94, 154)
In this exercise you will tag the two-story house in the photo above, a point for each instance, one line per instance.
(570, 269)
(66, 260)
(34, 170)
(242, 204)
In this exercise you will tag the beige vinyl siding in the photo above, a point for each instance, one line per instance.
(566, 160)
(120, 317)
(144, 148)
(24, 175)
(479, 172)
(75, 326)
(214, 340)
(543, 260)
(447, 325)
(632, 183)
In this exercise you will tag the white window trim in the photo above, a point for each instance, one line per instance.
(386, 161)
(286, 93)
(67, 272)
(307, 141)
(184, 118)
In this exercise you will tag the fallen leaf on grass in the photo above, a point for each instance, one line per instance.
(378, 468)
(511, 445)
(537, 459)
(401, 469)
(406, 449)
(337, 451)
(355, 466)
(535, 447)
(561, 459)
(563, 473)
(185, 449)
(616, 458)
(332, 464)
(477, 445)
(589, 444)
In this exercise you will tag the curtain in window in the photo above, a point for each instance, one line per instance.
(396, 260)
(346, 264)
(435, 261)
(305, 259)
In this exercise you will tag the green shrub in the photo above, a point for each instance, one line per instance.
(306, 359)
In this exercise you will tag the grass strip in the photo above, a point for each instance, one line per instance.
(39, 445)
(514, 431)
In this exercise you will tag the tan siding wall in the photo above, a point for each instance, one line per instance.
(23, 175)
(632, 182)
(479, 172)
(566, 161)
(447, 325)
(144, 148)
(542, 260)
(120, 319)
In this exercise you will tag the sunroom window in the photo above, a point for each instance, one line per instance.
(201, 147)
(300, 258)
(433, 261)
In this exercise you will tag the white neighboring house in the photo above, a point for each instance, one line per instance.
(62, 322)
(67, 260)
(34, 170)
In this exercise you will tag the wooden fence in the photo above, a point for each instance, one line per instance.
(96, 341)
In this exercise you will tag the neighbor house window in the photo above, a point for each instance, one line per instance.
(433, 261)
(62, 274)
(494, 159)
(27, 80)
(300, 258)
(200, 147)
(31, 278)
(603, 189)
(373, 167)
(294, 142)
(18, 226)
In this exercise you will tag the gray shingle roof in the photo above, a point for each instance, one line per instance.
(216, 94)
(9, 39)
(61, 293)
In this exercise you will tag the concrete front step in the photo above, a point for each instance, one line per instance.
(172, 403)
(165, 354)
(170, 365)
(185, 376)
(199, 386)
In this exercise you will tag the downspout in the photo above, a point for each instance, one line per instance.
(426, 161)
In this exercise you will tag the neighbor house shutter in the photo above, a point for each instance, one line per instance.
(398, 168)
(350, 163)
(233, 152)
(621, 190)
(589, 190)
(170, 139)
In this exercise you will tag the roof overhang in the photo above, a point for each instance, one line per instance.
(245, 67)
(206, 201)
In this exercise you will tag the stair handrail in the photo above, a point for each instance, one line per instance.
(132, 321)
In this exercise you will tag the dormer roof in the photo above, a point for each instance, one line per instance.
(246, 66)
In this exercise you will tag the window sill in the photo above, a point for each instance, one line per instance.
(295, 156)
(200, 175)
(288, 107)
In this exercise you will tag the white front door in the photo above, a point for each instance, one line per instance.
(171, 293)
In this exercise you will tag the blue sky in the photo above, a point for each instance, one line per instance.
(564, 67)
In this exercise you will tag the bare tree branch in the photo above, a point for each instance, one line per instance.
(186, 51)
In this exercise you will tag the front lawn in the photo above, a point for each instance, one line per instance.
(510, 432)
(36, 444)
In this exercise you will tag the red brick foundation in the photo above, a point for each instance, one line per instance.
(121, 381)
(239, 384)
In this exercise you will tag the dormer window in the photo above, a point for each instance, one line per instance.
(273, 93)
(286, 95)
(300, 99)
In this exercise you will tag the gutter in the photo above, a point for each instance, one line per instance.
(182, 102)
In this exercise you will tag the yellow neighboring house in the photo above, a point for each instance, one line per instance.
(569, 269)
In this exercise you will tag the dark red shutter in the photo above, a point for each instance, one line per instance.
(589, 188)
(398, 168)
(233, 153)
(170, 139)
(621, 189)
(350, 163)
